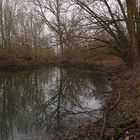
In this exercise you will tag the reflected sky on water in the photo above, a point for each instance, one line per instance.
(35, 105)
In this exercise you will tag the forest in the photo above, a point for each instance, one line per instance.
(69, 31)
(95, 35)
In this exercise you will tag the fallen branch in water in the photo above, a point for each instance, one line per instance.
(105, 117)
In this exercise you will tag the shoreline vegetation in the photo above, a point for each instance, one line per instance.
(28, 63)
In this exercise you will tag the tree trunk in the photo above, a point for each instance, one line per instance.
(132, 30)
(137, 20)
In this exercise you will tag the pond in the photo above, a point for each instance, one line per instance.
(36, 105)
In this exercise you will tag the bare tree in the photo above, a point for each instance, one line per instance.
(51, 13)
(1, 23)
(118, 19)
(20, 30)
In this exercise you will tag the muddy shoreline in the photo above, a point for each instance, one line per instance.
(101, 67)
(11, 67)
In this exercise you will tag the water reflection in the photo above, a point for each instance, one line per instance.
(37, 104)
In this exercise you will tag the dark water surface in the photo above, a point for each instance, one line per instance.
(35, 105)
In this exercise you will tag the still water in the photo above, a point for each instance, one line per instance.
(35, 105)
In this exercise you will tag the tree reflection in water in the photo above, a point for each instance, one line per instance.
(42, 102)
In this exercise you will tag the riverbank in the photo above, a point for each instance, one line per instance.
(121, 117)
(20, 67)
(29, 64)
(125, 115)
(20, 64)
